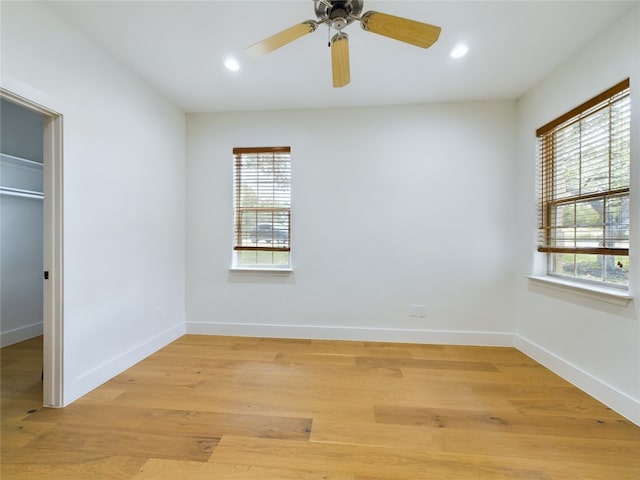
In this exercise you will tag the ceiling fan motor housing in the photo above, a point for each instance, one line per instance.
(339, 13)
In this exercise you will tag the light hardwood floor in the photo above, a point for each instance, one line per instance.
(233, 408)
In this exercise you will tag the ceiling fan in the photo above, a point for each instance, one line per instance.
(340, 13)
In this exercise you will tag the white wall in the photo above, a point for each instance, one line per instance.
(391, 206)
(592, 343)
(124, 195)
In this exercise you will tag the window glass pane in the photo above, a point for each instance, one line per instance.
(566, 215)
(565, 237)
(620, 143)
(589, 267)
(280, 258)
(617, 221)
(594, 163)
(589, 212)
(617, 270)
(562, 264)
(567, 158)
(247, 257)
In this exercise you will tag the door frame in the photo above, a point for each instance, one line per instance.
(53, 297)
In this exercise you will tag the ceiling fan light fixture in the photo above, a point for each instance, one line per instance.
(339, 17)
(339, 23)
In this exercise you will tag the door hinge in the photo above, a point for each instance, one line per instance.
(46, 275)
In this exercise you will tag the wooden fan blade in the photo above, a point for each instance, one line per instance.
(281, 39)
(340, 60)
(408, 31)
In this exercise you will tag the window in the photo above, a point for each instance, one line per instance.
(262, 204)
(584, 164)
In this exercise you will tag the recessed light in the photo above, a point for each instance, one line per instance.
(459, 51)
(232, 64)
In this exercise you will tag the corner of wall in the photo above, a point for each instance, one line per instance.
(616, 400)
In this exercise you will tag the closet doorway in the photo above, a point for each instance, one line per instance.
(21, 223)
(31, 232)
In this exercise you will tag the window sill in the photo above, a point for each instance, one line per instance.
(603, 294)
(265, 270)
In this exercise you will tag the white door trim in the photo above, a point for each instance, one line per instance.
(53, 301)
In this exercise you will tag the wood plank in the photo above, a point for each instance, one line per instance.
(504, 374)
(550, 447)
(244, 401)
(366, 461)
(52, 465)
(18, 433)
(183, 350)
(415, 437)
(117, 441)
(322, 359)
(424, 364)
(581, 407)
(186, 373)
(534, 393)
(167, 422)
(506, 421)
(468, 353)
(156, 469)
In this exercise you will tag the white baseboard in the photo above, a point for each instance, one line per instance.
(95, 377)
(20, 334)
(438, 337)
(616, 400)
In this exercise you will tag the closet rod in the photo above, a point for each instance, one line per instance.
(16, 192)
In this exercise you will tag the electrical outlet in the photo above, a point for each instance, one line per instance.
(421, 311)
(413, 310)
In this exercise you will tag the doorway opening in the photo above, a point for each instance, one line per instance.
(50, 231)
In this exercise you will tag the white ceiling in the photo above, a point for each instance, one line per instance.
(179, 48)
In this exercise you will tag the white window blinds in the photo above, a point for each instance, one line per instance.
(584, 169)
(262, 183)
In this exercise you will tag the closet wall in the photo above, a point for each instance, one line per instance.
(21, 223)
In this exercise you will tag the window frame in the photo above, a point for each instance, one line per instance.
(549, 199)
(274, 206)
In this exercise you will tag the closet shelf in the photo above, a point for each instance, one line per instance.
(20, 175)
(21, 160)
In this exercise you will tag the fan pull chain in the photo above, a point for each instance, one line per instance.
(328, 35)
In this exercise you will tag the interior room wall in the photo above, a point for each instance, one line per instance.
(392, 206)
(124, 195)
(593, 343)
(21, 223)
